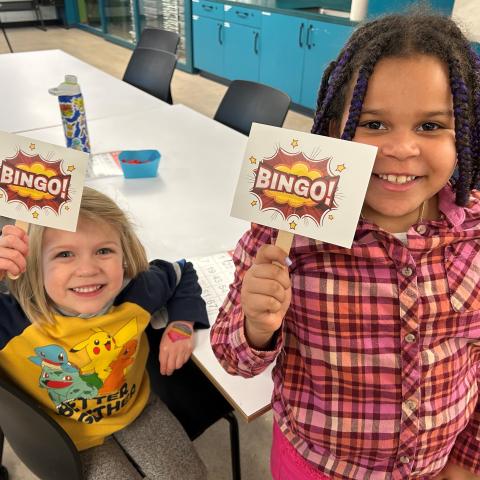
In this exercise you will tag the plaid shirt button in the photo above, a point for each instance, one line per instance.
(404, 459)
(421, 229)
(407, 271)
(410, 338)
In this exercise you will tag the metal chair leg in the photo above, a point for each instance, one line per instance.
(234, 445)
(39, 15)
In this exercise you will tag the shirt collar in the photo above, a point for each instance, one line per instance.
(453, 213)
(452, 217)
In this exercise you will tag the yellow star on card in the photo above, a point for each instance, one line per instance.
(331, 217)
(70, 168)
(31, 146)
(67, 208)
(293, 225)
(341, 168)
(253, 160)
(253, 203)
(294, 143)
(35, 215)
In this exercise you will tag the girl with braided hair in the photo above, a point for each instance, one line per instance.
(377, 347)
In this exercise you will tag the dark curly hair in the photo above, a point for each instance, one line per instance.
(402, 35)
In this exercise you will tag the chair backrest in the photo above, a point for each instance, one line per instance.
(151, 70)
(159, 39)
(246, 102)
(40, 443)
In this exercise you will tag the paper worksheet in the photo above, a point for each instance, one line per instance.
(215, 274)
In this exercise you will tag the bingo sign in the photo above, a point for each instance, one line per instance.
(304, 184)
(40, 183)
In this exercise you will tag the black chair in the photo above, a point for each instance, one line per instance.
(40, 443)
(246, 102)
(159, 39)
(193, 399)
(151, 70)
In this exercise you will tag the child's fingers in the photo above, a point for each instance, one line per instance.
(265, 287)
(270, 254)
(12, 261)
(172, 358)
(15, 243)
(180, 360)
(258, 304)
(270, 272)
(11, 267)
(163, 359)
(15, 231)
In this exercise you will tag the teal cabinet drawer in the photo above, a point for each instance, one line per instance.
(243, 16)
(241, 52)
(208, 40)
(207, 9)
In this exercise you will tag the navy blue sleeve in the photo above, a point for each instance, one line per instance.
(12, 319)
(171, 285)
(187, 299)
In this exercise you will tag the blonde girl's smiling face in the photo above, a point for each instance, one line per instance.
(82, 270)
(408, 114)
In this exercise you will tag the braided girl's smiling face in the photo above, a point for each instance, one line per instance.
(408, 114)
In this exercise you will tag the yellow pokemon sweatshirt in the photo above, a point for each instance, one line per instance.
(89, 374)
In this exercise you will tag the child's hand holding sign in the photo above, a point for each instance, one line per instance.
(266, 295)
(300, 184)
(41, 184)
(13, 251)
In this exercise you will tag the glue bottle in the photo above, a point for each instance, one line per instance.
(72, 110)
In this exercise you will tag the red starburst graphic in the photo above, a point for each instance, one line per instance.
(293, 184)
(33, 181)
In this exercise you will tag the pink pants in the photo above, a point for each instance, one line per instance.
(286, 463)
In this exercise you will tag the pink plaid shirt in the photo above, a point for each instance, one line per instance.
(378, 360)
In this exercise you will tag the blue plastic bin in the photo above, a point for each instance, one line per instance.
(139, 163)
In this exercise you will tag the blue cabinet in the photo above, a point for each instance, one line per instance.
(208, 44)
(285, 51)
(226, 40)
(242, 43)
(323, 42)
(208, 36)
(241, 52)
(282, 46)
(295, 52)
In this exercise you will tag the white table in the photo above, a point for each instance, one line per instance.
(26, 77)
(184, 212)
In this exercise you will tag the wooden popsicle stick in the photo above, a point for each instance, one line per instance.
(24, 226)
(284, 241)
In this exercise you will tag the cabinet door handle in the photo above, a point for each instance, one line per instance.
(241, 14)
(255, 42)
(309, 30)
(300, 35)
(208, 8)
(220, 28)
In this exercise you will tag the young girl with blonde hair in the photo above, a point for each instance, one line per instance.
(72, 335)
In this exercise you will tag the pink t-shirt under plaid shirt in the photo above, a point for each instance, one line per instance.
(378, 360)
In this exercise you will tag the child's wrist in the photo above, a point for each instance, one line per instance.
(258, 340)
